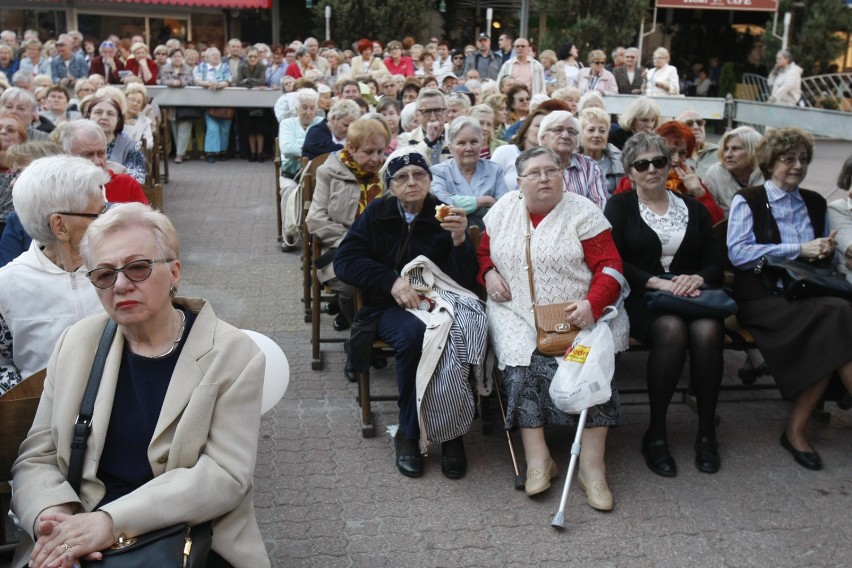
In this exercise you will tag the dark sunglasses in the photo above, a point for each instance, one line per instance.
(659, 163)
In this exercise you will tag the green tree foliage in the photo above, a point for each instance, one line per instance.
(384, 20)
(591, 24)
(728, 80)
(814, 41)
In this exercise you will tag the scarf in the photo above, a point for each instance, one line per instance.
(675, 184)
(369, 182)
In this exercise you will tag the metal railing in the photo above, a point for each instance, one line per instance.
(754, 88)
(831, 91)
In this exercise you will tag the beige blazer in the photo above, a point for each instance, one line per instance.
(202, 452)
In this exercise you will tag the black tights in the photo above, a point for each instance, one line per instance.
(670, 338)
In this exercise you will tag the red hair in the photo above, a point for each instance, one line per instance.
(364, 44)
(676, 131)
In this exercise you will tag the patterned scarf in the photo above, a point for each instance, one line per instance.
(674, 183)
(370, 183)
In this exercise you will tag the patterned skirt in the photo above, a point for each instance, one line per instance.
(529, 403)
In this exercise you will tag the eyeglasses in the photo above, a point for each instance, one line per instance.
(659, 163)
(416, 175)
(560, 130)
(432, 111)
(8, 130)
(135, 271)
(536, 176)
(700, 122)
(458, 56)
(790, 160)
(599, 62)
(86, 215)
(522, 100)
(521, 46)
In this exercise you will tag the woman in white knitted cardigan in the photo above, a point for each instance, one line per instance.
(574, 259)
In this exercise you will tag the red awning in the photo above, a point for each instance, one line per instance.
(262, 4)
(754, 5)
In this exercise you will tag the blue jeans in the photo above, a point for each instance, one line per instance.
(216, 138)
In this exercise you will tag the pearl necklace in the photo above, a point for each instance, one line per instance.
(177, 341)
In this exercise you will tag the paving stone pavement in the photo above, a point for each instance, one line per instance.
(326, 497)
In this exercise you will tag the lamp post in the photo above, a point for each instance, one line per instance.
(327, 23)
(489, 17)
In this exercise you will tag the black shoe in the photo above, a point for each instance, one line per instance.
(210, 159)
(349, 372)
(657, 456)
(260, 158)
(453, 459)
(340, 323)
(252, 158)
(379, 362)
(332, 308)
(707, 454)
(222, 157)
(748, 374)
(810, 460)
(409, 462)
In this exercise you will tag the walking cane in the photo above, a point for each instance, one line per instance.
(519, 479)
(558, 521)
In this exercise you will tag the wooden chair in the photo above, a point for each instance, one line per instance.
(382, 349)
(155, 157)
(165, 146)
(278, 220)
(17, 410)
(154, 195)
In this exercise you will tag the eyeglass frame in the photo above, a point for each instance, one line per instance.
(123, 270)
(643, 165)
(695, 122)
(416, 175)
(538, 175)
(87, 215)
(790, 160)
(432, 111)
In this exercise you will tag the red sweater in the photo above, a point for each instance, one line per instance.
(598, 251)
(122, 188)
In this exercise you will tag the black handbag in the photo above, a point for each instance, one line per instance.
(711, 303)
(189, 113)
(800, 279)
(177, 546)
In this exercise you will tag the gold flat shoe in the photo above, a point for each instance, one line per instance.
(597, 494)
(538, 478)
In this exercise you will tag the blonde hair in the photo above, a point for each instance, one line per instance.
(640, 107)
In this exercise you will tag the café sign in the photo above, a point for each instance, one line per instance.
(754, 5)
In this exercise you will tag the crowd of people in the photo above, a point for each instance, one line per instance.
(421, 143)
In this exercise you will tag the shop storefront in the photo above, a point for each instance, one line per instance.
(207, 21)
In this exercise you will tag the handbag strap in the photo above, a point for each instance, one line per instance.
(83, 425)
(528, 238)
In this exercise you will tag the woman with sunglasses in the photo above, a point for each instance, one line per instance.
(595, 77)
(44, 290)
(176, 414)
(666, 243)
(805, 341)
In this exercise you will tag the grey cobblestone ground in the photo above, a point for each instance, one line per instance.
(326, 497)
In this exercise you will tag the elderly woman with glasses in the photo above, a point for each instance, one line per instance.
(572, 259)
(596, 77)
(44, 290)
(560, 132)
(805, 341)
(467, 181)
(661, 79)
(666, 243)
(375, 254)
(175, 419)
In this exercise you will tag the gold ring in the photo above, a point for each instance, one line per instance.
(65, 546)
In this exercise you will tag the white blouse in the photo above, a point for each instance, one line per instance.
(670, 226)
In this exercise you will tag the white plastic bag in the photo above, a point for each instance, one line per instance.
(584, 376)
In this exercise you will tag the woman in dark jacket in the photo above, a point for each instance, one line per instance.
(390, 233)
(657, 232)
(252, 74)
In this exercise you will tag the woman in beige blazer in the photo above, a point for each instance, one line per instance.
(175, 426)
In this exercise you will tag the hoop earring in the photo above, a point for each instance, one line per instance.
(172, 291)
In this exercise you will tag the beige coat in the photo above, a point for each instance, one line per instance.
(333, 207)
(202, 452)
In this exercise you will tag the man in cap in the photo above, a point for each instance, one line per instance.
(67, 67)
(483, 59)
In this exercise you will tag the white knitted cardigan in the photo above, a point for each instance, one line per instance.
(560, 271)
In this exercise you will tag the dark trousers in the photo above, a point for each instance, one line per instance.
(404, 332)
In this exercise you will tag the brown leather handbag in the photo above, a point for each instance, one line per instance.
(554, 335)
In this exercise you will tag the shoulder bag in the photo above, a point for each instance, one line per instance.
(554, 335)
(800, 279)
(177, 546)
(711, 303)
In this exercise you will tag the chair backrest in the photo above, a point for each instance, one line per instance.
(17, 410)
(154, 195)
(309, 176)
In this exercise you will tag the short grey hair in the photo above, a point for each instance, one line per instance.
(785, 53)
(643, 142)
(67, 133)
(750, 139)
(553, 118)
(407, 116)
(302, 51)
(461, 122)
(124, 216)
(18, 95)
(429, 93)
(527, 155)
(56, 183)
(344, 108)
(306, 96)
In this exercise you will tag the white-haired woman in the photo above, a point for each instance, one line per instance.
(137, 126)
(330, 134)
(467, 181)
(661, 79)
(44, 290)
(560, 132)
(594, 128)
(292, 131)
(737, 167)
(641, 115)
(214, 74)
(176, 413)
(142, 65)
